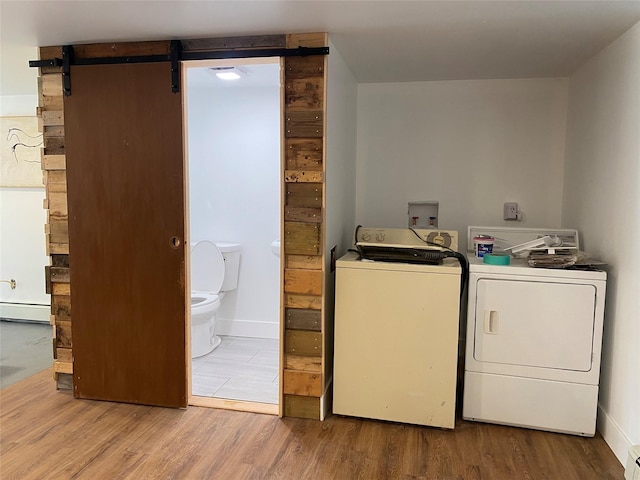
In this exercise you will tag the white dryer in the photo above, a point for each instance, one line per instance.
(533, 341)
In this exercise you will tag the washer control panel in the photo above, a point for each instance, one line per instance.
(408, 237)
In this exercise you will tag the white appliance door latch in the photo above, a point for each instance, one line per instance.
(491, 322)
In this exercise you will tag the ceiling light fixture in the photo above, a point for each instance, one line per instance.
(228, 73)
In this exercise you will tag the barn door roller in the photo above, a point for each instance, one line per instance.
(176, 54)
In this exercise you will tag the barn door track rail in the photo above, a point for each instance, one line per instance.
(176, 54)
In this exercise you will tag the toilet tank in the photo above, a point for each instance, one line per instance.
(231, 254)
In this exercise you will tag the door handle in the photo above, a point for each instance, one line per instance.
(491, 322)
(174, 242)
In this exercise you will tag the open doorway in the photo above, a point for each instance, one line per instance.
(233, 137)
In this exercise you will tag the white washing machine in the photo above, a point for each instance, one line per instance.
(533, 340)
(396, 331)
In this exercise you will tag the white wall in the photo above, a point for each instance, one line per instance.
(601, 185)
(22, 241)
(340, 154)
(234, 184)
(470, 144)
(340, 181)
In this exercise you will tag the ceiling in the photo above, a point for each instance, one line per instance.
(381, 41)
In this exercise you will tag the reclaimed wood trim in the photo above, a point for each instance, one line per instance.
(57, 230)
(301, 407)
(302, 238)
(301, 176)
(61, 307)
(54, 131)
(301, 342)
(303, 319)
(57, 205)
(304, 195)
(303, 214)
(60, 261)
(304, 154)
(59, 274)
(306, 282)
(50, 89)
(234, 43)
(63, 333)
(319, 39)
(122, 49)
(305, 101)
(55, 177)
(293, 300)
(61, 289)
(58, 248)
(51, 52)
(52, 118)
(54, 145)
(310, 262)
(52, 103)
(50, 113)
(303, 363)
(56, 188)
(304, 124)
(64, 354)
(307, 384)
(303, 67)
(304, 93)
(50, 85)
(62, 367)
(237, 405)
(54, 162)
(47, 280)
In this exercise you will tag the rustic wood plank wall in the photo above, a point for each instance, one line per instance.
(304, 123)
(51, 122)
(304, 110)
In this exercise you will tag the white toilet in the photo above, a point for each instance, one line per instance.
(214, 270)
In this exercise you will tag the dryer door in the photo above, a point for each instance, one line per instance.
(534, 324)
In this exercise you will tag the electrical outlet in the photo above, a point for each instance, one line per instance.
(510, 211)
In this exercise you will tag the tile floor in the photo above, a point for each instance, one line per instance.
(25, 349)
(241, 368)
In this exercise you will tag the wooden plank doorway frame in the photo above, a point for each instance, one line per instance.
(213, 402)
(307, 386)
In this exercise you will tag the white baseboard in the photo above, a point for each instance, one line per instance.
(618, 442)
(21, 311)
(247, 328)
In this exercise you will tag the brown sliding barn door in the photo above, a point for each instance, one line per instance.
(125, 187)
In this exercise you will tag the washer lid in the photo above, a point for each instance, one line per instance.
(207, 268)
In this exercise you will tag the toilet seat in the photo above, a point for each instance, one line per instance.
(202, 302)
(207, 276)
(207, 268)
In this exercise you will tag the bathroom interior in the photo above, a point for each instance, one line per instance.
(234, 184)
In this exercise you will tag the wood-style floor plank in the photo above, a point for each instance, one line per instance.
(46, 434)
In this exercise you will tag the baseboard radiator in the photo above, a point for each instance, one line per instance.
(632, 472)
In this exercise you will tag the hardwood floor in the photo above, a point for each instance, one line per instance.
(102, 440)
